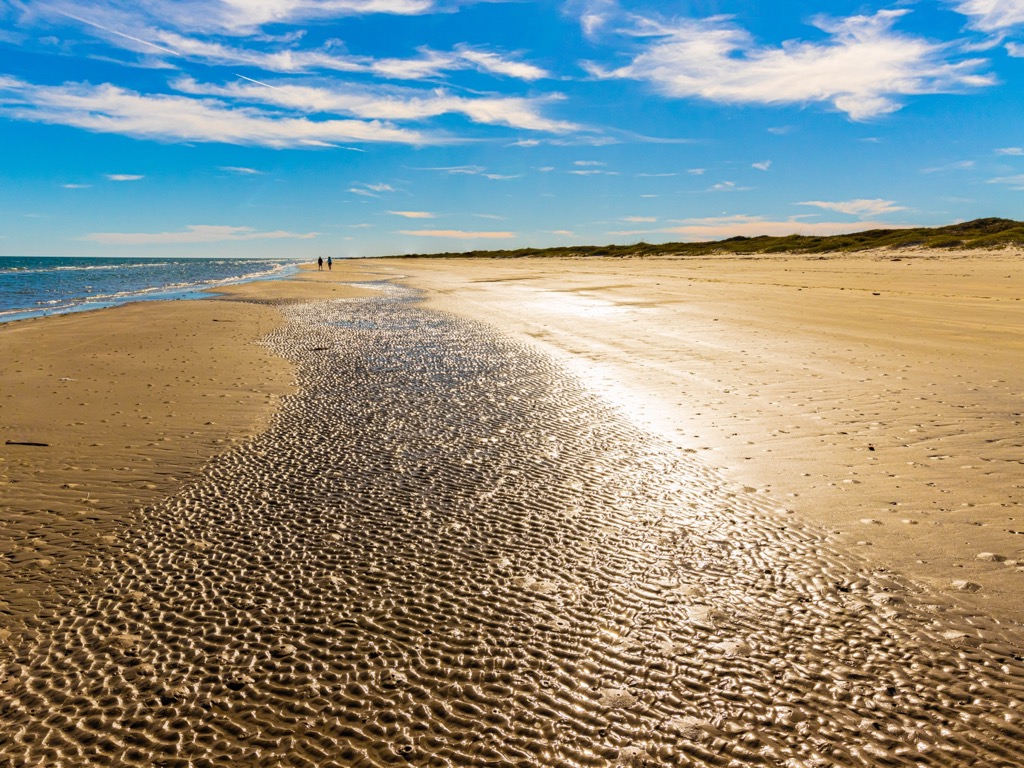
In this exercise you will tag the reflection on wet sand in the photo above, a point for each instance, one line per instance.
(446, 552)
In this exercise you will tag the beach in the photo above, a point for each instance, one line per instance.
(523, 512)
(876, 394)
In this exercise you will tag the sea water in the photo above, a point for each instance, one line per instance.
(31, 286)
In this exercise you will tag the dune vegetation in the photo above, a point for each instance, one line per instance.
(979, 233)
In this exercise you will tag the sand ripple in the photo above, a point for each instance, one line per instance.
(446, 553)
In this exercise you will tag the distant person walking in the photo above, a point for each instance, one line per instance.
(320, 263)
(329, 262)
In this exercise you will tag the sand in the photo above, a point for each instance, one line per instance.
(130, 403)
(437, 537)
(879, 395)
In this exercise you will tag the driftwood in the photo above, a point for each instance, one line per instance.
(25, 442)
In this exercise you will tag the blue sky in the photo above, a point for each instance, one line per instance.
(374, 127)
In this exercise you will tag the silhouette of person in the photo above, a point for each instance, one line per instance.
(329, 262)
(320, 263)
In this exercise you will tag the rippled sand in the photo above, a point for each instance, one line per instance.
(445, 551)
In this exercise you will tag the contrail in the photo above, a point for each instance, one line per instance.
(258, 82)
(119, 34)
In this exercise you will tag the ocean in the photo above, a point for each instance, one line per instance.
(32, 286)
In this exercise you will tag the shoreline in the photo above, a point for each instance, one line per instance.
(129, 403)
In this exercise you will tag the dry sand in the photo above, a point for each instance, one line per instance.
(877, 394)
(130, 402)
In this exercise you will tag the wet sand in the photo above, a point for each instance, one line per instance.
(445, 549)
(880, 395)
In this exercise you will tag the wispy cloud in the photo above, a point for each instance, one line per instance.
(762, 166)
(227, 17)
(494, 63)
(1011, 151)
(240, 170)
(727, 186)
(862, 208)
(593, 15)
(459, 234)
(959, 165)
(457, 170)
(76, 186)
(640, 219)
(412, 214)
(863, 69)
(195, 233)
(1015, 182)
(992, 15)
(124, 177)
(168, 30)
(110, 109)
(371, 190)
(386, 103)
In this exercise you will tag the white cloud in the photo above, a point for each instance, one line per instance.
(762, 166)
(459, 234)
(194, 233)
(594, 15)
(861, 208)
(589, 163)
(1011, 151)
(563, 232)
(697, 171)
(457, 170)
(498, 65)
(371, 190)
(640, 219)
(727, 186)
(1013, 182)
(240, 171)
(229, 17)
(960, 165)
(386, 104)
(413, 214)
(110, 109)
(862, 69)
(992, 15)
(76, 186)
(1016, 50)
(153, 36)
(124, 177)
(502, 176)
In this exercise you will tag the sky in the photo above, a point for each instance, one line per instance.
(348, 128)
